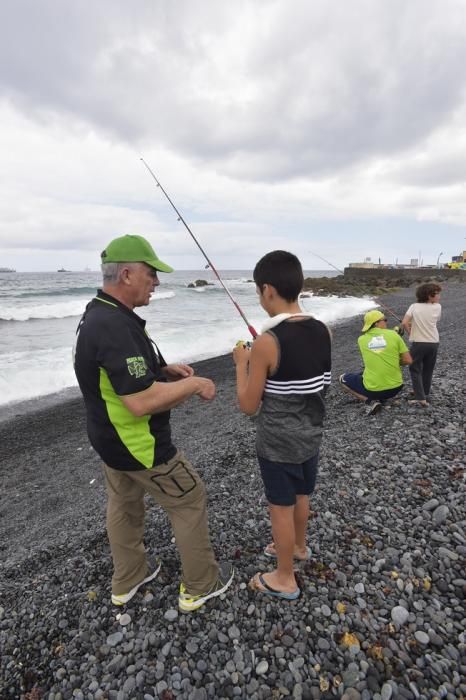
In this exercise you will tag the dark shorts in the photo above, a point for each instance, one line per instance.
(354, 382)
(284, 481)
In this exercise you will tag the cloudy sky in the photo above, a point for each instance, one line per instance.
(329, 127)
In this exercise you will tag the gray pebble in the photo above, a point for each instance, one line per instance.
(440, 514)
(386, 692)
(171, 615)
(233, 632)
(262, 667)
(114, 639)
(422, 637)
(399, 615)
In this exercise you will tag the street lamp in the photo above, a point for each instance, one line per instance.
(438, 259)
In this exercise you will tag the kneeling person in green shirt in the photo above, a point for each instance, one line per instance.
(383, 353)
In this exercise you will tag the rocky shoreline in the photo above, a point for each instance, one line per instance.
(382, 610)
(373, 283)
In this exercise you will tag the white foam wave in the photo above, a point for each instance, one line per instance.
(329, 309)
(52, 308)
(163, 295)
(25, 377)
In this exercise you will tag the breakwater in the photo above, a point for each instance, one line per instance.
(401, 277)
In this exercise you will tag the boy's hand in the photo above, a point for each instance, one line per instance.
(241, 353)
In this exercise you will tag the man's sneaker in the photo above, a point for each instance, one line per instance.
(123, 598)
(188, 603)
(373, 408)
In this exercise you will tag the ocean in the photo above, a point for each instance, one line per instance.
(39, 313)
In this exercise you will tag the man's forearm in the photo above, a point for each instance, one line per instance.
(161, 396)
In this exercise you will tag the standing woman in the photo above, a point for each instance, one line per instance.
(420, 321)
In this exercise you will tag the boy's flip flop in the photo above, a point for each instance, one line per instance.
(272, 554)
(268, 590)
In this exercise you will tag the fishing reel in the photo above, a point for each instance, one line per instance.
(400, 330)
(244, 343)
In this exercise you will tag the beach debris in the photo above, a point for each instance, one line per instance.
(324, 685)
(347, 639)
(91, 596)
(92, 481)
(319, 570)
(341, 608)
(375, 651)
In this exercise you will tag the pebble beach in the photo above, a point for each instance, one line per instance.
(381, 613)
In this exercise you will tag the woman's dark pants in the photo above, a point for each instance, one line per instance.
(424, 357)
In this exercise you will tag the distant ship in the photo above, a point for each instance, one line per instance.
(7, 269)
(62, 269)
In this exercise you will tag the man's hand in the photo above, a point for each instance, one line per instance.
(206, 389)
(177, 371)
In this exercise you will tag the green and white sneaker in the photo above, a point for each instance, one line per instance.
(123, 598)
(188, 603)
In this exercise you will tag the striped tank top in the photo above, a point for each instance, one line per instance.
(291, 416)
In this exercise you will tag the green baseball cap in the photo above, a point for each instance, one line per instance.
(370, 318)
(133, 249)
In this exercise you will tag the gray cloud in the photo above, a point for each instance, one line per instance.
(261, 90)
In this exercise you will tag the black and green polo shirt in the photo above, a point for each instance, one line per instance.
(114, 357)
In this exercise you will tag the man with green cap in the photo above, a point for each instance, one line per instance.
(128, 390)
(383, 353)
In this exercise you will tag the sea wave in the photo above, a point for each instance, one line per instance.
(330, 309)
(66, 291)
(61, 309)
(52, 369)
(54, 309)
(20, 379)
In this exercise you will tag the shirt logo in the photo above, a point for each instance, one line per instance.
(377, 343)
(136, 366)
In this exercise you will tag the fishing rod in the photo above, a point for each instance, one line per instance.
(251, 329)
(387, 308)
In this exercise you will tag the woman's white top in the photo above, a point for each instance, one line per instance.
(424, 319)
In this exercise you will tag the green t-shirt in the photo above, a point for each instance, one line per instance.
(381, 349)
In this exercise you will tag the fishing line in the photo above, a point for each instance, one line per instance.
(364, 291)
(251, 329)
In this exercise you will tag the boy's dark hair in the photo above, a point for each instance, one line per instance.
(427, 290)
(283, 271)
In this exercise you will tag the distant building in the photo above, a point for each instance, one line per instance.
(366, 265)
(381, 266)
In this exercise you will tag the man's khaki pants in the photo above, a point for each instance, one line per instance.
(178, 489)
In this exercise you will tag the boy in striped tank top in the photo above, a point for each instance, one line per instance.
(283, 378)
